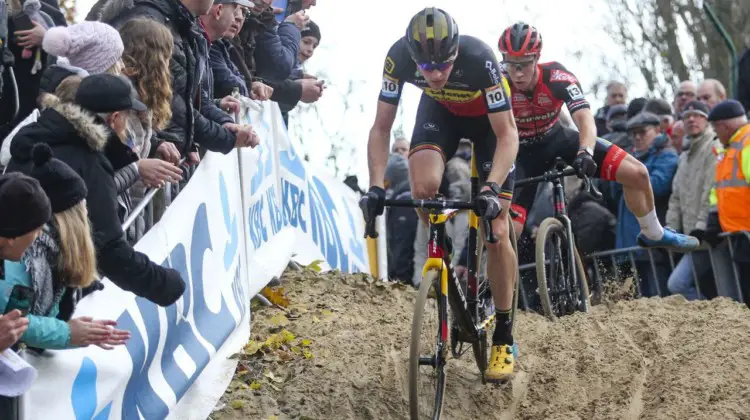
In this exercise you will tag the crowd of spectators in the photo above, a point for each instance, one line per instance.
(678, 142)
(97, 112)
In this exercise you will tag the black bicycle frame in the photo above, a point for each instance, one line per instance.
(560, 208)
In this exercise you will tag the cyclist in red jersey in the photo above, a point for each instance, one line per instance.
(538, 92)
(464, 96)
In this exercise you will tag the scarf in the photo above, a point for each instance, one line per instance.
(40, 260)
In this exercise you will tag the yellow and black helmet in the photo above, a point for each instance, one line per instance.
(432, 36)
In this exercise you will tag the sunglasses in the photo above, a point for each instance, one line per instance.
(435, 66)
(518, 66)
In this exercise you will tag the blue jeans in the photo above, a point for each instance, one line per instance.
(681, 280)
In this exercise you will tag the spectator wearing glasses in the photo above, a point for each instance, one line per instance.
(686, 92)
(688, 204)
(652, 149)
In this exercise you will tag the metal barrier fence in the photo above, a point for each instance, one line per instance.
(596, 265)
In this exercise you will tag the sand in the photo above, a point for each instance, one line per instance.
(347, 342)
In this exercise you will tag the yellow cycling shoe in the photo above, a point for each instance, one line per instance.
(500, 368)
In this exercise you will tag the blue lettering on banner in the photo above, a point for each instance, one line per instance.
(355, 242)
(140, 398)
(323, 224)
(277, 218)
(293, 199)
(258, 231)
(290, 160)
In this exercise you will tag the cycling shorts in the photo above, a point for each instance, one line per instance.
(536, 158)
(436, 128)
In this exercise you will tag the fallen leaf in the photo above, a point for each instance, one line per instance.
(252, 347)
(305, 342)
(288, 336)
(236, 404)
(307, 353)
(296, 350)
(326, 312)
(255, 385)
(279, 319)
(284, 356)
(275, 296)
(273, 377)
(273, 418)
(315, 266)
(315, 319)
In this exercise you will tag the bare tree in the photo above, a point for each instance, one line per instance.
(674, 40)
(308, 123)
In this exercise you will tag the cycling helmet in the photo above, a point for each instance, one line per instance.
(520, 39)
(432, 36)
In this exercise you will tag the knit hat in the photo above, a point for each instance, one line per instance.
(311, 29)
(24, 206)
(695, 107)
(92, 46)
(64, 187)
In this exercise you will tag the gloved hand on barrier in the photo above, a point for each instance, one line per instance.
(713, 229)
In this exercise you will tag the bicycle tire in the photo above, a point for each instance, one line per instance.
(548, 226)
(430, 280)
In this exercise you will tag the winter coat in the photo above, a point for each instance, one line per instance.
(227, 76)
(38, 270)
(661, 161)
(689, 204)
(195, 116)
(76, 139)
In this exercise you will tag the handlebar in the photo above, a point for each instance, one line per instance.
(561, 171)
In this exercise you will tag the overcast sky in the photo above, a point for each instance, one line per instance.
(356, 35)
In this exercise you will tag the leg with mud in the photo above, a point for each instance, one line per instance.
(502, 269)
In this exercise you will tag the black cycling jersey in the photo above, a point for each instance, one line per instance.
(475, 86)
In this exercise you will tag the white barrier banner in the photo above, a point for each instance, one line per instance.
(235, 226)
(200, 235)
(281, 192)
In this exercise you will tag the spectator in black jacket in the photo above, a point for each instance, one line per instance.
(617, 94)
(195, 116)
(76, 138)
(225, 20)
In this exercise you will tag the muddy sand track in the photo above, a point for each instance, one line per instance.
(346, 358)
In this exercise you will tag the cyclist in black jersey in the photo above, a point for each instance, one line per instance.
(538, 93)
(464, 96)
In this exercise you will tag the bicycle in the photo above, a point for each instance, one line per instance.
(472, 309)
(562, 291)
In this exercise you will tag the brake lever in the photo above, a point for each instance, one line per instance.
(488, 233)
(591, 188)
(370, 230)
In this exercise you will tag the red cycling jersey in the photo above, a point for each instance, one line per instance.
(538, 111)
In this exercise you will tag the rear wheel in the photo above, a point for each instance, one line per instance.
(428, 350)
(558, 294)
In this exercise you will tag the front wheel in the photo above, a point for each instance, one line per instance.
(557, 292)
(428, 350)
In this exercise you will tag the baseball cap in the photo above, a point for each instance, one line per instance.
(695, 107)
(244, 3)
(102, 93)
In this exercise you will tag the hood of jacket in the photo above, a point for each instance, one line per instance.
(694, 143)
(60, 123)
(110, 10)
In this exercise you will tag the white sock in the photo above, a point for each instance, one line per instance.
(650, 226)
